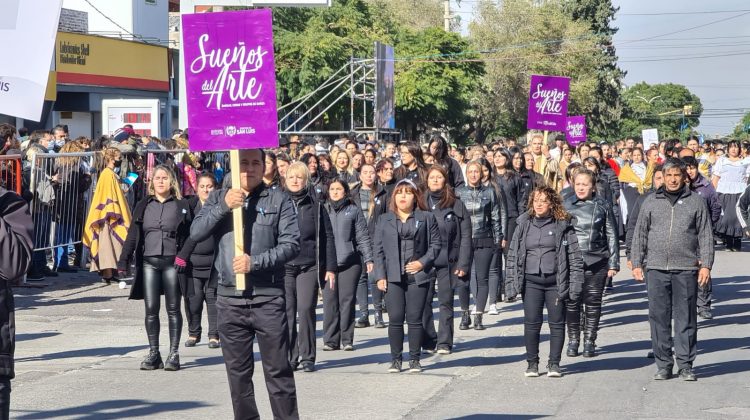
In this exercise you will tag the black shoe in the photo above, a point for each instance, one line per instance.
(362, 322)
(589, 348)
(510, 300)
(573, 348)
(152, 361)
(533, 370)
(395, 366)
(214, 343)
(650, 354)
(66, 270)
(192, 341)
(686, 374)
(705, 314)
(553, 370)
(173, 362)
(48, 273)
(663, 375)
(308, 367)
(478, 322)
(379, 320)
(35, 276)
(465, 321)
(415, 366)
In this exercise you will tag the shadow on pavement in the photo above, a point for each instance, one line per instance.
(113, 409)
(35, 336)
(722, 368)
(71, 354)
(602, 364)
(207, 361)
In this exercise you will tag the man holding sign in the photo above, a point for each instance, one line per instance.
(231, 98)
(270, 239)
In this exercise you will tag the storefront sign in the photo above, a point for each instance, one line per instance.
(548, 103)
(231, 81)
(575, 130)
(28, 36)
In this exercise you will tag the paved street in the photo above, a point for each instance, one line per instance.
(80, 344)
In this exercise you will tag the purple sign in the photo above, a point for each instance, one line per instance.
(230, 79)
(548, 103)
(575, 130)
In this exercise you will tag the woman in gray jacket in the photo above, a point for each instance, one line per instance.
(353, 246)
(544, 264)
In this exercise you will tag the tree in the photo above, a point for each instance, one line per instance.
(434, 94)
(660, 106)
(606, 111)
(742, 130)
(521, 38)
(415, 15)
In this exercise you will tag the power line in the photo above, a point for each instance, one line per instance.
(138, 37)
(692, 27)
(705, 12)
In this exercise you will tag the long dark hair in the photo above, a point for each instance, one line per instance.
(416, 152)
(510, 171)
(515, 150)
(441, 151)
(411, 186)
(447, 196)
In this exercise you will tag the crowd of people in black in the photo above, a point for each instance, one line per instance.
(392, 226)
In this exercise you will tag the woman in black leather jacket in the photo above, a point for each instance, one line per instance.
(544, 264)
(487, 236)
(453, 262)
(596, 229)
(314, 265)
(527, 178)
(511, 185)
(161, 225)
(603, 190)
(353, 245)
(407, 241)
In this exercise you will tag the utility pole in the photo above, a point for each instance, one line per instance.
(447, 15)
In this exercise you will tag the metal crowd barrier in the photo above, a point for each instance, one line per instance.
(10, 173)
(62, 186)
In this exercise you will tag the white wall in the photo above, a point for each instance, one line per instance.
(79, 125)
(139, 17)
(151, 20)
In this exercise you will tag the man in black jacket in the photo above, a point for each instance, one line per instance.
(271, 238)
(16, 231)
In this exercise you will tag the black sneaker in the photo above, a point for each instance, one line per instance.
(35, 276)
(173, 362)
(686, 374)
(553, 370)
(663, 375)
(152, 361)
(705, 314)
(308, 367)
(533, 370)
(48, 273)
(362, 322)
(465, 321)
(395, 366)
(415, 366)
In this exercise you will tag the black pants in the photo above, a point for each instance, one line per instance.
(496, 277)
(590, 302)
(538, 293)
(673, 293)
(301, 284)
(4, 398)
(338, 307)
(239, 323)
(705, 295)
(160, 277)
(367, 284)
(405, 302)
(204, 289)
(444, 335)
(482, 263)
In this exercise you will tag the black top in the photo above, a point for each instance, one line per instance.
(540, 242)
(364, 200)
(406, 232)
(160, 222)
(308, 240)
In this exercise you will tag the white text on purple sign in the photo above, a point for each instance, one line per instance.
(552, 100)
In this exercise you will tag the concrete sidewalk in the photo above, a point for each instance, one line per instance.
(80, 344)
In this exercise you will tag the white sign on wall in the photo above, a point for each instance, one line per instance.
(142, 114)
(27, 35)
(650, 136)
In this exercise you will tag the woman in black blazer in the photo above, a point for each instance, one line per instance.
(407, 242)
(453, 262)
(160, 228)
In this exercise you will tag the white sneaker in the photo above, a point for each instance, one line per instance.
(493, 310)
(123, 284)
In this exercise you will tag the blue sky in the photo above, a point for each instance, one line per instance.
(703, 45)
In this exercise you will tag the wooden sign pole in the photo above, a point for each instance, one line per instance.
(239, 236)
(546, 133)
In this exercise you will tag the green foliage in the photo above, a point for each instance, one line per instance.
(659, 106)
(528, 39)
(742, 130)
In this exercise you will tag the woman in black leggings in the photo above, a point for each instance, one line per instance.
(510, 183)
(485, 211)
(544, 265)
(315, 262)
(199, 269)
(160, 227)
(407, 241)
(453, 262)
(353, 245)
